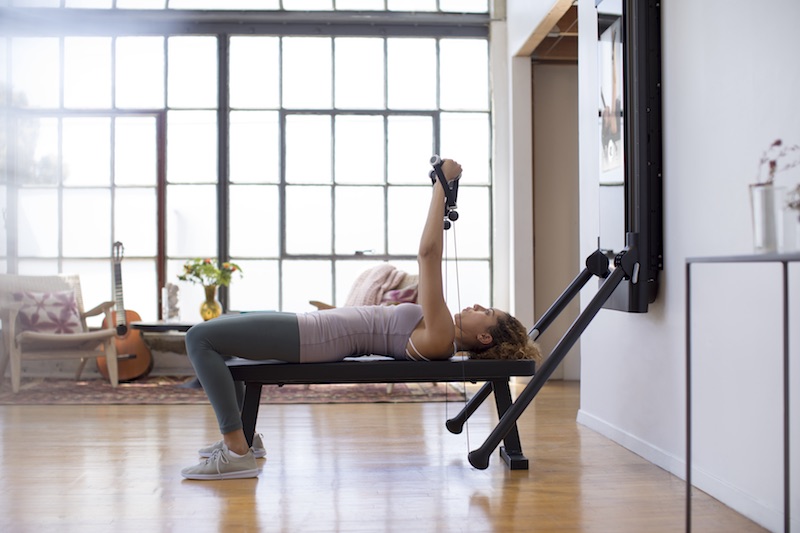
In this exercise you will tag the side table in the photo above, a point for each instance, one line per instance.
(784, 259)
(166, 337)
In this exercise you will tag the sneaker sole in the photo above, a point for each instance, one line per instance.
(258, 454)
(228, 475)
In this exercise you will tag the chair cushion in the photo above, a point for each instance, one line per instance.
(48, 312)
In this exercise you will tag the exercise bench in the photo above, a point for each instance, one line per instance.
(495, 373)
(371, 369)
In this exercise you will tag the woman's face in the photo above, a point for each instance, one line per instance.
(473, 323)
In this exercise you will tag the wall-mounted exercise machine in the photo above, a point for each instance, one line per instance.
(628, 277)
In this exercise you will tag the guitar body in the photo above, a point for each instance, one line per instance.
(133, 356)
(134, 359)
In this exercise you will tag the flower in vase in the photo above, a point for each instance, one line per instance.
(777, 158)
(206, 273)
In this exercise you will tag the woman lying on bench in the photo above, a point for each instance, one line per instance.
(419, 332)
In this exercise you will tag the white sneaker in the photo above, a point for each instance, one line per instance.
(258, 448)
(223, 465)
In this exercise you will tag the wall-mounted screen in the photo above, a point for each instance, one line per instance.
(629, 148)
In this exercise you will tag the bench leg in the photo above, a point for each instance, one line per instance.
(456, 424)
(511, 452)
(252, 399)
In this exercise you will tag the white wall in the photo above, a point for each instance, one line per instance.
(555, 201)
(730, 87)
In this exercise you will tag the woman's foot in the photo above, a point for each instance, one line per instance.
(223, 464)
(258, 448)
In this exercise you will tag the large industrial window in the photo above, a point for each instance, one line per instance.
(302, 157)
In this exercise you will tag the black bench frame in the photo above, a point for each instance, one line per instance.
(496, 375)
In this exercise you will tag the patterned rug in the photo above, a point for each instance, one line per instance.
(174, 390)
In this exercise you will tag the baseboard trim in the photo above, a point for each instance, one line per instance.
(732, 496)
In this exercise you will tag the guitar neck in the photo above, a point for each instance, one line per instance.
(118, 299)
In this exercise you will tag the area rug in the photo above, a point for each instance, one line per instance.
(172, 390)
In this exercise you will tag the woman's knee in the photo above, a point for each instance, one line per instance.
(196, 337)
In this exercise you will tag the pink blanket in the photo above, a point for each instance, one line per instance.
(371, 284)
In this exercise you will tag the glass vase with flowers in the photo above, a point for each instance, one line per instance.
(205, 272)
(768, 201)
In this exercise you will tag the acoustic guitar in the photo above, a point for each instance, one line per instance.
(133, 356)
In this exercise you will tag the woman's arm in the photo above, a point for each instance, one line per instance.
(434, 336)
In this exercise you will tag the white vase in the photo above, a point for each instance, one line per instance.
(767, 208)
(791, 230)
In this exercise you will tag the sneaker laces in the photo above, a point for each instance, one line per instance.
(218, 457)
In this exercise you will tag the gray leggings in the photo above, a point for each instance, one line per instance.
(259, 336)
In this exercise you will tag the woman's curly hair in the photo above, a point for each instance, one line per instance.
(510, 341)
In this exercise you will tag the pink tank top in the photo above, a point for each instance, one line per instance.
(333, 334)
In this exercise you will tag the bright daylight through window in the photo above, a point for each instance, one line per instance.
(299, 154)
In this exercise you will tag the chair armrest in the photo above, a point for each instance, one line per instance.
(321, 305)
(105, 307)
(102, 308)
(8, 314)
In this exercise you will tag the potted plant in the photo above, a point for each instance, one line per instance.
(766, 198)
(206, 273)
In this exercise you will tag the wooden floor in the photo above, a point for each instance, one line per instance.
(349, 468)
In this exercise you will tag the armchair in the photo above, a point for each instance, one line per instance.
(43, 318)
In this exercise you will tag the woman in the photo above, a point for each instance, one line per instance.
(422, 332)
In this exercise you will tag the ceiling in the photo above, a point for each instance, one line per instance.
(561, 42)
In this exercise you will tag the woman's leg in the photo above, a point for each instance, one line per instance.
(258, 336)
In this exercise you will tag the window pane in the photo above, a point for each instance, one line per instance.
(412, 73)
(307, 72)
(224, 4)
(410, 149)
(308, 149)
(141, 4)
(38, 223)
(472, 226)
(254, 72)
(4, 226)
(191, 221)
(308, 5)
(466, 138)
(308, 220)
(87, 232)
(464, 74)
(254, 221)
(135, 220)
(258, 290)
(254, 147)
(474, 284)
(407, 209)
(86, 151)
(304, 281)
(359, 149)
(37, 267)
(192, 74)
(35, 71)
(464, 6)
(360, 5)
(37, 151)
(99, 4)
(140, 72)
(87, 72)
(358, 87)
(191, 147)
(411, 5)
(135, 155)
(359, 219)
